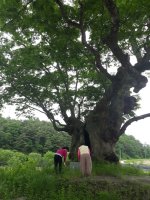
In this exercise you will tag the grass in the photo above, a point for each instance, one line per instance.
(116, 170)
(25, 181)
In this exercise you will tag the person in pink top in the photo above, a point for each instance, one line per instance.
(59, 157)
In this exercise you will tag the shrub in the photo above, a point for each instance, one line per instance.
(5, 156)
(48, 159)
(17, 159)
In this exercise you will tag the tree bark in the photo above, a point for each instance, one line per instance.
(103, 124)
(75, 129)
(103, 129)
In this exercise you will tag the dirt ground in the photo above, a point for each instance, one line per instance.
(135, 179)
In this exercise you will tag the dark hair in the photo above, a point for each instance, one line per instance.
(67, 148)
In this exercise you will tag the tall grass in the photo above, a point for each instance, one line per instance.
(25, 180)
(33, 178)
(116, 170)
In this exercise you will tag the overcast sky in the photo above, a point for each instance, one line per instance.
(140, 129)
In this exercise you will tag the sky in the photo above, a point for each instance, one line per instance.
(140, 129)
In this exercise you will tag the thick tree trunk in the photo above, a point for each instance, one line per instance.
(102, 129)
(102, 148)
(104, 123)
(75, 129)
(76, 140)
(102, 126)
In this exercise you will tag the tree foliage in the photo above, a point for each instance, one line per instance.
(31, 136)
(74, 59)
(129, 147)
(34, 136)
(46, 64)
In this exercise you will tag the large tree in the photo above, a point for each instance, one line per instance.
(77, 55)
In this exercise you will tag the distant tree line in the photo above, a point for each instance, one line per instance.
(38, 136)
(30, 135)
(129, 147)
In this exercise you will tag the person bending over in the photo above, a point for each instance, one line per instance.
(84, 158)
(59, 158)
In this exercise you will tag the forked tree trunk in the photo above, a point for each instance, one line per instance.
(102, 129)
(100, 132)
(102, 148)
(75, 129)
(76, 140)
(102, 140)
(103, 124)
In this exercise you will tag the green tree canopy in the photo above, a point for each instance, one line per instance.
(76, 55)
(31, 136)
(129, 147)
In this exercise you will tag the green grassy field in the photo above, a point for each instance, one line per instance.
(32, 177)
(29, 182)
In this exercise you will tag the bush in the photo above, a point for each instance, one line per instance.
(48, 159)
(5, 156)
(35, 159)
(17, 159)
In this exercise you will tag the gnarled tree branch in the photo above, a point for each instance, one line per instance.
(127, 123)
(114, 13)
(56, 124)
(81, 27)
(111, 40)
